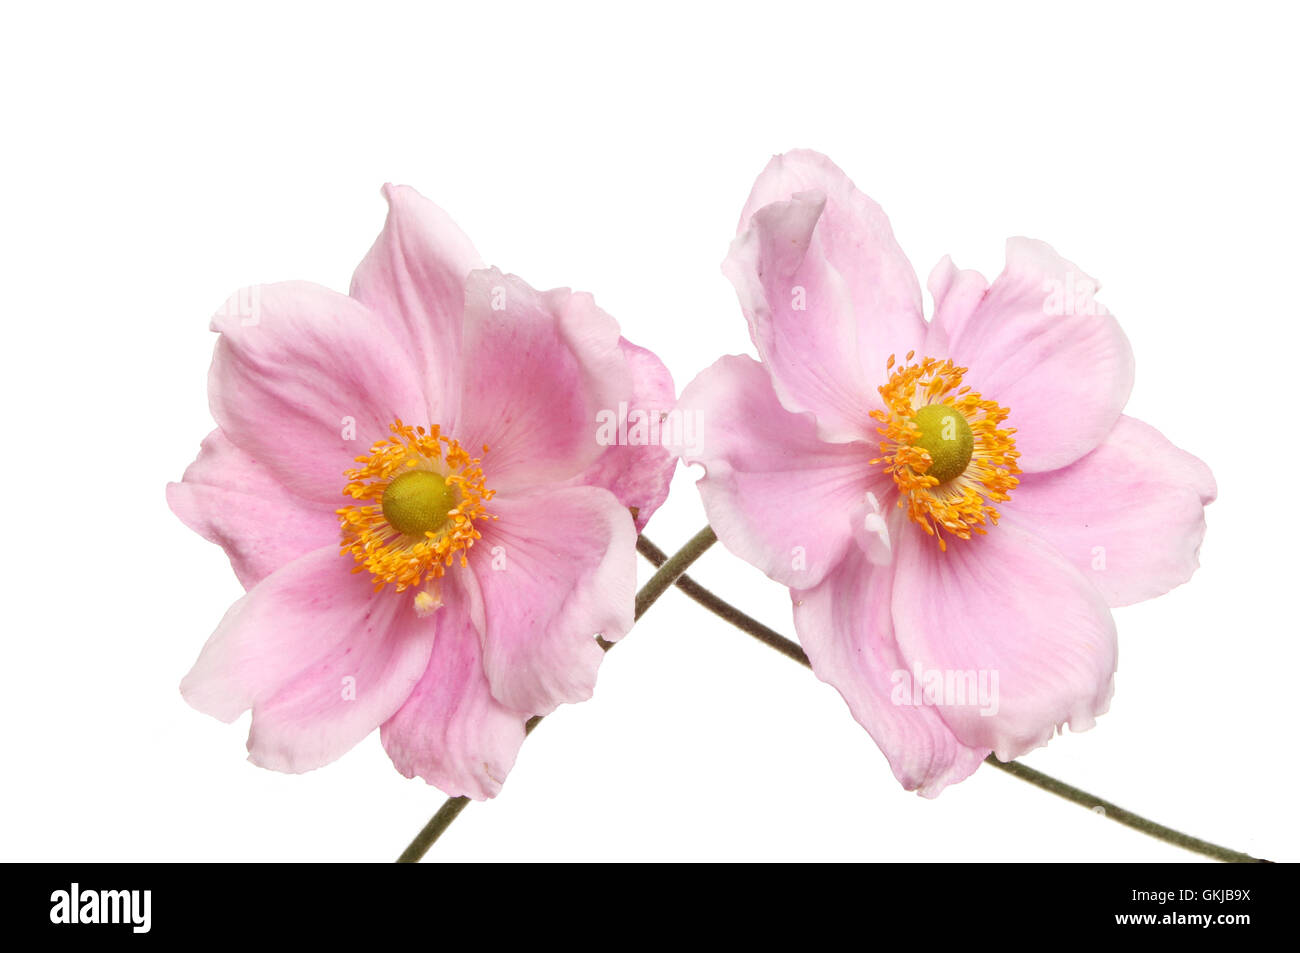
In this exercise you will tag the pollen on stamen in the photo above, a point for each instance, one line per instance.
(427, 603)
(961, 503)
(407, 558)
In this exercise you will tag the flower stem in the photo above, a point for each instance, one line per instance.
(431, 831)
(668, 570)
(1121, 816)
(791, 649)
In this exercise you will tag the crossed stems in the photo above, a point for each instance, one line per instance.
(671, 571)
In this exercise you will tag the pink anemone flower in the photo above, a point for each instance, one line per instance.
(956, 504)
(409, 483)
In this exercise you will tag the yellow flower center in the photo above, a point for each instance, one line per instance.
(943, 446)
(418, 502)
(945, 435)
(421, 494)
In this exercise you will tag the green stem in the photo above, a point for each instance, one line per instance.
(1114, 812)
(1122, 816)
(418, 847)
(667, 572)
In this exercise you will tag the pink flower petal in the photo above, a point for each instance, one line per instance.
(957, 293)
(1038, 344)
(1130, 515)
(870, 525)
(451, 731)
(776, 494)
(844, 625)
(230, 499)
(809, 238)
(320, 658)
(310, 385)
(538, 369)
(556, 569)
(413, 280)
(639, 472)
(1005, 605)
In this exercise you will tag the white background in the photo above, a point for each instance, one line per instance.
(157, 158)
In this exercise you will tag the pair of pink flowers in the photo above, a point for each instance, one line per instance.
(409, 482)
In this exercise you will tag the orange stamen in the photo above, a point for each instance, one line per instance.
(962, 505)
(399, 558)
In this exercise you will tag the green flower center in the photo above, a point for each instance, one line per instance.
(947, 437)
(418, 502)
